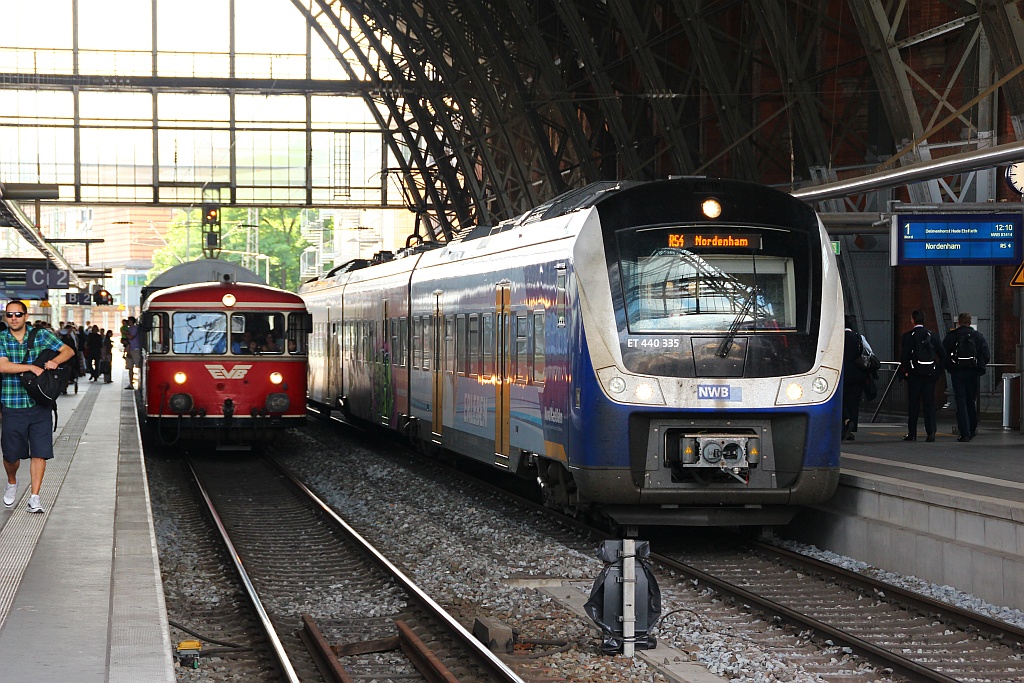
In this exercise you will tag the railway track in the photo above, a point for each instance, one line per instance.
(914, 636)
(831, 616)
(332, 607)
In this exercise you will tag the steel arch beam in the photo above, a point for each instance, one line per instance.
(1004, 28)
(639, 42)
(791, 54)
(732, 114)
(346, 49)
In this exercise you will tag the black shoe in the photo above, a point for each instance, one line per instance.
(931, 437)
(908, 437)
(849, 437)
(963, 439)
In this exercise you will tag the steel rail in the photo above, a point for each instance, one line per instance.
(992, 628)
(873, 652)
(268, 627)
(497, 666)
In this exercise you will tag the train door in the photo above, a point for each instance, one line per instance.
(383, 382)
(437, 369)
(334, 362)
(502, 379)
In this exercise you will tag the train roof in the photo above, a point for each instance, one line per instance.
(212, 293)
(200, 270)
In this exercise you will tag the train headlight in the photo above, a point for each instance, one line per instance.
(808, 389)
(180, 377)
(616, 385)
(644, 391)
(276, 378)
(711, 208)
(228, 300)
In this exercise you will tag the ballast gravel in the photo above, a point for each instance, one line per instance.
(470, 551)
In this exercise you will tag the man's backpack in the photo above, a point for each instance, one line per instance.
(965, 352)
(45, 387)
(867, 360)
(922, 355)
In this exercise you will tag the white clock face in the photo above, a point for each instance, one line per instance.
(1015, 176)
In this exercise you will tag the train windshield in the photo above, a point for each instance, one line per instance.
(199, 333)
(692, 281)
(257, 332)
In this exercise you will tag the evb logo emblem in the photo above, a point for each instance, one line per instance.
(220, 372)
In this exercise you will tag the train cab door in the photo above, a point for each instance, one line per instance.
(437, 369)
(503, 372)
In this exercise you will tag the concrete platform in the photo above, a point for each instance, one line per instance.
(81, 597)
(947, 512)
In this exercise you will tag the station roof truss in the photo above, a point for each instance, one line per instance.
(490, 108)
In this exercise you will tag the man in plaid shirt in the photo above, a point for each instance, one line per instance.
(27, 429)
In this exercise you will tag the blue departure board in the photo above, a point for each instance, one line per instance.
(957, 239)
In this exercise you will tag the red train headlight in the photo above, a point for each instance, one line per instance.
(276, 378)
(180, 377)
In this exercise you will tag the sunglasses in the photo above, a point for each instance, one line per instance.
(14, 314)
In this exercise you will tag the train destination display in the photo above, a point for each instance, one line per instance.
(963, 239)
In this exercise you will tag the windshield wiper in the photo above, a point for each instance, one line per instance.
(726, 346)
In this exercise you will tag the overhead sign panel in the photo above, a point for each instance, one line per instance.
(957, 239)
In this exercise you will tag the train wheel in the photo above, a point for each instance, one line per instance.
(560, 491)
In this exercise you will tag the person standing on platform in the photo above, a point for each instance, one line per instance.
(853, 379)
(93, 351)
(27, 427)
(968, 355)
(134, 358)
(921, 364)
(107, 356)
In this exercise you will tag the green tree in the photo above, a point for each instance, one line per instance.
(280, 240)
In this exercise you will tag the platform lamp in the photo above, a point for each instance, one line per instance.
(211, 230)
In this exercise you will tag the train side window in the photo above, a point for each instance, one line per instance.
(394, 343)
(157, 337)
(403, 339)
(560, 295)
(298, 333)
(428, 341)
(473, 346)
(461, 352)
(522, 358)
(449, 343)
(417, 343)
(488, 344)
(538, 348)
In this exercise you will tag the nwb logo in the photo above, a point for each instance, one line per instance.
(718, 392)
(220, 372)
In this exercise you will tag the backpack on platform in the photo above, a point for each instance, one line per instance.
(965, 352)
(922, 355)
(45, 387)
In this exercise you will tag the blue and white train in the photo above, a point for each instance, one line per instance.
(665, 352)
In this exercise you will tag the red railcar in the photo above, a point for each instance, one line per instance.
(224, 363)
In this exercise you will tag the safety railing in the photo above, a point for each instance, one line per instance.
(891, 401)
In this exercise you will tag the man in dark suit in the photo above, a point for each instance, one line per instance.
(921, 364)
(967, 363)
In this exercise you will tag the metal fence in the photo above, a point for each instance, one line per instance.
(891, 402)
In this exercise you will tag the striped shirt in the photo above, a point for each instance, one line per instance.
(12, 394)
